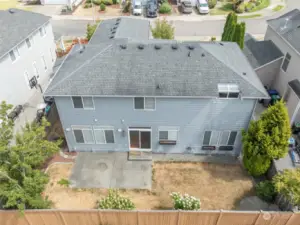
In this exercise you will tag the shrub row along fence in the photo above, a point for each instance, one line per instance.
(97, 217)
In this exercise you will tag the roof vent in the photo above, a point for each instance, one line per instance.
(244, 73)
(191, 47)
(12, 11)
(113, 31)
(123, 46)
(202, 54)
(115, 27)
(117, 23)
(189, 54)
(221, 44)
(141, 46)
(157, 46)
(111, 36)
(157, 86)
(174, 46)
(118, 20)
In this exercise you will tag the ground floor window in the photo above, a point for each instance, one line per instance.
(140, 138)
(223, 140)
(104, 135)
(92, 135)
(168, 135)
(83, 134)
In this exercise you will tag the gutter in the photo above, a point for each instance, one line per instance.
(269, 63)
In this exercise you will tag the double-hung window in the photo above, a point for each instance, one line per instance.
(286, 62)
(228, 90)
(168, 136)
(14, 54)
(104, 135)
(227, 140)
(83, 102)
(144, 103)
(83, 134)
(210, 140)
(223, 139)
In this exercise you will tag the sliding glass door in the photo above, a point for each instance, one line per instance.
(140, 138)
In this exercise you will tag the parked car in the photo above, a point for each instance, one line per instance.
(202, 6)
(186, 6)
(137, 8)
(151, 9)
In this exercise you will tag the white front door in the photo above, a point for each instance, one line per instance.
(139, 138)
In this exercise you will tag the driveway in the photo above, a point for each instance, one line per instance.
(110, 170)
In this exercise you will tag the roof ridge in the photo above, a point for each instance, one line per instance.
(82, 65)
(230, 67)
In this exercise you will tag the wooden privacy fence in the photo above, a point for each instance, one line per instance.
(112, 217)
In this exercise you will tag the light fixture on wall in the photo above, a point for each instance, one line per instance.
(120, 130)
(68, 129)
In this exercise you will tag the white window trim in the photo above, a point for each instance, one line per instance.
(82, 127)
(140, 149)
(228, 91)
(283, 62)
(220, 137)
(144, 109)
(168, 129)
(104, 128)
(44, 62)
(83, 103)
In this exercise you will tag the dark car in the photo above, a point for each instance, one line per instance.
(151, 9)
(186, 7)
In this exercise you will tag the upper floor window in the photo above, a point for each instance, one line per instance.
(14, 54)
(286, 62)
(28, 42)
(83, 102)
(42, 31)
(228, 90)
(144, 103)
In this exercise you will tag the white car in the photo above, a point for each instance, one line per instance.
(202, 6)
(137, 8)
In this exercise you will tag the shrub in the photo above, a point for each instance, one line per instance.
(88, 1)
(90, 29)
(165, 8)
(162, 30)
(88, 5)
(115, 201)
(185, 202)
(102, 7)
(97, 2)
(64, 182)
(249, 6)
(115, 2)
(258, 2)
(212, 3)
(213, 38)
(240, 8)
(127, 6)
(265, 190)
(107, 2)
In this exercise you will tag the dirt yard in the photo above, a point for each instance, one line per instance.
(217, 186)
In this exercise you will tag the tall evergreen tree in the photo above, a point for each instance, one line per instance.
(242, 35)
(229, 27)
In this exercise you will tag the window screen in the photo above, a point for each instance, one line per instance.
(88, 102)
(149, 103)
(77, 102)
(88, 136)
(99, 136)
(206, 138)
(214, 138)
(170, 135)
(224, 138)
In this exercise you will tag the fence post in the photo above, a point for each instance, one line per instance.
(287, 222)
(260, 212)
(178, 216)
(62, 218)
(220, 216)
(137, 217)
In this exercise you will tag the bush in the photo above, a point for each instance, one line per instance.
(107, 2)
(88, 1)
(266, 191)
(127, 6)
(165, 8)
(88, 5)
(213, 38)
(64, 182)
(240, 8)
(185, 202)
(212, 3)
(102, 7)
(115, 2)
(90, 29)
(115, 201)
(249, 6)
(258, 2)
(97, 2)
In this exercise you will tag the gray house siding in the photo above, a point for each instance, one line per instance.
(292, 72)
(191, 116)
(14, 87)
(268, 73)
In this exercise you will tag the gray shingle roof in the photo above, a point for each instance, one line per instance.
(134, 29)
(260, 53)
(108, 70)
(15, 27)
(288, 26)
(295, 85)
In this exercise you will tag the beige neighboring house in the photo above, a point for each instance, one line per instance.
(277, 59)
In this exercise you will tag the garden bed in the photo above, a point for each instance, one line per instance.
(218, 187)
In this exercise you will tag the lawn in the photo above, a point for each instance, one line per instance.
(249, 16)
(225, 8)
(6, 4)
(277, 8)
(218, 187)
(264, 4)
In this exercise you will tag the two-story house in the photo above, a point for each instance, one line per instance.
(27, 54)
(163, 96)
(276, 60)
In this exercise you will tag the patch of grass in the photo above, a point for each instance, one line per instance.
(64, 182)
(250, 16)
(277, 8)
(264, 4)
(223, 10)
(6, 4)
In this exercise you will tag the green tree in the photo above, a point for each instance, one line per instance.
(162, 30)
(21, 181)
(266, 139)
(287, 183)
(229, 27)
(90, 30)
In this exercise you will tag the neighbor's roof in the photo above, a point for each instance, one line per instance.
(295, 85)
(16, 25)
(107, 69)
(134, 29)
(260, 53)
(288, 26)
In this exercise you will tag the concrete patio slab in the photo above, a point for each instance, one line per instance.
(110, 170)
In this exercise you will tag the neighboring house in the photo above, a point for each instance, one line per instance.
(279, 57)
(61, 2)
(27, 54)
(126, 94)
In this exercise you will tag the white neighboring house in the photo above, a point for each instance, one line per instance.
(61, 2)
(27, 54)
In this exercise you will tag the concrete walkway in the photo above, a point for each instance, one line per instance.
(266, 12)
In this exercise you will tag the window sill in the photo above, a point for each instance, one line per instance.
(167, 142)
(225, 148)
(208, 148)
